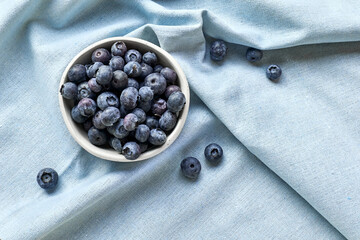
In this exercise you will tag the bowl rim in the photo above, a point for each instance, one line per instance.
(113, 155)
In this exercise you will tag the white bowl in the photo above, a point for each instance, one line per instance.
(84, 57)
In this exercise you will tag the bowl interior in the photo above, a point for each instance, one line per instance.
(84, 57)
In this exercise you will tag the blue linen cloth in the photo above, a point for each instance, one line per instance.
(291, 168)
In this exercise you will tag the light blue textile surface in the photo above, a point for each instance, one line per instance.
(292, 150)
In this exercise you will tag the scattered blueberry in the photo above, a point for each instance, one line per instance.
(167, 121)
(145, 70)
(91, 69)
(158, 68)
(130, 122)
(84, 91)
(76, 116)
(170, 89)
(146, 106)
(133, 69)
(218, 50)
(213, 153)
(115, 143)
(190, 167)
(152, 122)
(110, 115)
(87, 107)
(253, 54)
(159, 107)
(131, 150)
(69, 90)
(97, 137)
(96, 120)
(47, 178)
(146, 94)
(133, 83)
(157, 137)
(156, 82)
(118, 48)
(119, 80)
(94, 86)
(107, 99)
(117, 63)
(129, 97)
(142, 133)
(101, 55)
(273, 72)
(169, 74)
(176, 102)
(140, 114)
(118, 130)
(150, 58)
(133, 56)
(77, 73)
(104, 75)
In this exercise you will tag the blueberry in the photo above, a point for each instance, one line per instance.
(94, 86)
(152, 122)
(101, 55)
(157, 68)
(218, 50)
(84, 91)
(146, 106)
(143, 147)
(156, 82)
(159, 107)
(167, 121)
(96, 120)
(142, 133)
(133, 55)
(140, 114)
(110, 115)
(107, 99)
(76, 116)
(47, 178)
(118, 48)
(117, 63)
(87, 107)
(87, 124)
(77, 73)
(146, 94)
(131, 150)
(115, 143)
(92, 69)
(170, 89)
(169, 74)
(119, 80)
(133, 69)
(104, 75)
(118, 129)
(273, 72)
(176, 102)
(150, 58)
(253, 54)
(157, 137)
(123, 111)
(69, 90)
(130, 122)
(133, 83)
(190, 167)
(213, 153)
(145, 70)
(97, 137)
(129, 97)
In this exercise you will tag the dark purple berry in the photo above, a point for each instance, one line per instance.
(101, 55)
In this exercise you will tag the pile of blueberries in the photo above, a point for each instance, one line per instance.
(218, 50)
(124, 99)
